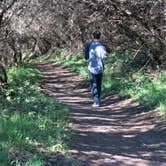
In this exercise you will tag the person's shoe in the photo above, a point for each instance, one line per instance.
(95, 105)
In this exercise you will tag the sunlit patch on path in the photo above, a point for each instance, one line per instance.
(119, 133)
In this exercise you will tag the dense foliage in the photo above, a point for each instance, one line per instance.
(38, 26)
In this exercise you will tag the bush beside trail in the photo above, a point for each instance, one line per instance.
(122, 76)
(32, 126)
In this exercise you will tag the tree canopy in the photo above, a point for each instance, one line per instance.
(136, 25)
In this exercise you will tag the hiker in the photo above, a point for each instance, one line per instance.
(95, 52)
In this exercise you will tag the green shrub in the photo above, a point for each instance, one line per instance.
(123, 75)
(29, 120)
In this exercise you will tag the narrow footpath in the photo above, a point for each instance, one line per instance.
(119, 133)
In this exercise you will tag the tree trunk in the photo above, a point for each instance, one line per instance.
(3, 74)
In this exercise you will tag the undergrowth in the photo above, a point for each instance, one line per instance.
(122, 76)
(32, 126)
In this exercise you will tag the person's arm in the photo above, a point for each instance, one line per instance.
(86, 50)
(107, 48)
(104, 54)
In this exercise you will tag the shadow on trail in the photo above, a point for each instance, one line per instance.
(119, 141)
(119, 133)
(127, 136)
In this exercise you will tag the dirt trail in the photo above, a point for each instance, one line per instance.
(119, 133)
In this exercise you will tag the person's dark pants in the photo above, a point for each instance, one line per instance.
(96, 81)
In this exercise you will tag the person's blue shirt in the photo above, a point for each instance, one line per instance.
(95, 52)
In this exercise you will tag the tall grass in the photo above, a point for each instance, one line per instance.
(31, 124)
(122, 75)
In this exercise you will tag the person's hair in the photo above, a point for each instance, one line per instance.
(96, 34)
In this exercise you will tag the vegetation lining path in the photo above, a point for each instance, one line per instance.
(119, 133)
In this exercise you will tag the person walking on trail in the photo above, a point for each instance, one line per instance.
(95, 52)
